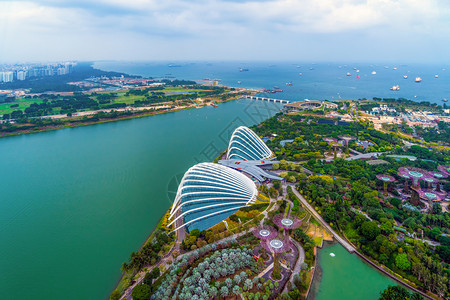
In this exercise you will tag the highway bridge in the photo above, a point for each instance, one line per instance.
(267, 99)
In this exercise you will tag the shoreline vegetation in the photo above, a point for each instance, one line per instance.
(408, 242)
(113, 98)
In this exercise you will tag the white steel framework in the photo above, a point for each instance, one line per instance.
(208, 194)
(246, 145)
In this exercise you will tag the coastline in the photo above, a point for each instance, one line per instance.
(149, 238)
(100, 121)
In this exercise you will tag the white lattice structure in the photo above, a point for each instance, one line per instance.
(208, 194)
(246, 145)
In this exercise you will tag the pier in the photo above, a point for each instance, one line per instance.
(267, 99)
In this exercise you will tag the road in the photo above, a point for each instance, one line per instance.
(319, 218)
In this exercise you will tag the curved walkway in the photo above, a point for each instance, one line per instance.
(298, 264)
(319, 218)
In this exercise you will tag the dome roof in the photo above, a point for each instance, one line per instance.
(208, 194)
(246, 145)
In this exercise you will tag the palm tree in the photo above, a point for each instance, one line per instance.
(236, 290)
(248, 283)
(224, 291)
(243, 276)
(237, 279)
(213, 292)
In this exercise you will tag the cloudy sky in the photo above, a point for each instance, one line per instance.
(300, 30)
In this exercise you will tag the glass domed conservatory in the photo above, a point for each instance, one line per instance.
(246, 145)
(208, 194)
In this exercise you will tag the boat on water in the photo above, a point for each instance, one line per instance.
(436, 76)
(357, 76)
(405, 76)
(300, 74)
(395, 88)
(214, 105)
(239, 82)
(243, 70)
(394, 68)
(444, 100)
(288, 83)
(418, 79)
(349, 74)
(357, 71)
(276, 88)
(374, 73)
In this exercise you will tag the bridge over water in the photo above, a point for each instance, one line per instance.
(267, 99)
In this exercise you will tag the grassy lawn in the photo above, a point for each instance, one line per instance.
(5, 108)
(318, 240)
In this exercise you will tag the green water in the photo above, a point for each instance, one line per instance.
(345, 277)
(74, 203)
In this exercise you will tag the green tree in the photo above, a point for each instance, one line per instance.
(370, 230)
(437, 208)
(115, 295)
(141, 292)
(398, 293)
(260, 263)
(402, 262)
(195, 232)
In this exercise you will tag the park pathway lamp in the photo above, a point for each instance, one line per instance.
(329, 140)
(445, 169)
(406, 177)
(439, 176)
(287, 222)
(265, 232)
(431, 180)
(431, 197)
(277, 245)
(335, 145)
(386, 179)
(346, 139)
(416, 175)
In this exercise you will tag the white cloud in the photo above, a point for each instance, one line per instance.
(158, 24)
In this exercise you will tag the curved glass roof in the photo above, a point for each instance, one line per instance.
(246, 145)
(208, 194)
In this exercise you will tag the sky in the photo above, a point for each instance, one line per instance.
(275, 30)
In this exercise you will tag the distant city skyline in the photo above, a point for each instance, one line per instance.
(402, 31)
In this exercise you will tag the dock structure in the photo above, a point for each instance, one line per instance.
(267, 99)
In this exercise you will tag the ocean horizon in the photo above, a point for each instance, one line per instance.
(314, 81)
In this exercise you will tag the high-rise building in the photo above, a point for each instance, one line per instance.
(21, 75)
(7, 76)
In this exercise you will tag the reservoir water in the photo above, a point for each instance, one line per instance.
(76, 202)
(345, 276)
